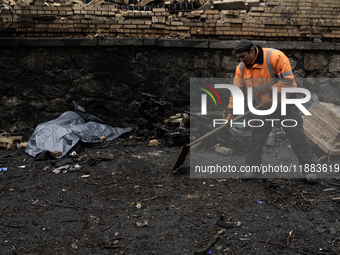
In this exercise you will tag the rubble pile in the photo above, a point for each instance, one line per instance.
(179, 19)
(174, 5)
(323, 127)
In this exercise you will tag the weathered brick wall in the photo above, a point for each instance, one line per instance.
(298, 20)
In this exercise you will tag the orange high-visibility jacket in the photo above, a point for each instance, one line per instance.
(275, 71)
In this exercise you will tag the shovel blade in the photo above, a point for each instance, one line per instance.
(182, 154)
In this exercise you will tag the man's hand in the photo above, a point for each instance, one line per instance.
(228, 118)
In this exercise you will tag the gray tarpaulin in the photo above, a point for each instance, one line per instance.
(63, 133)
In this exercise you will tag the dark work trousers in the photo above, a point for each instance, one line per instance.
(296, 136)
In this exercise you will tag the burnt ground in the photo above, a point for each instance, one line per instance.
(134, 204)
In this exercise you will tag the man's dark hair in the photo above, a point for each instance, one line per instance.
(243, 45)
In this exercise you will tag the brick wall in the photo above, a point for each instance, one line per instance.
(298, 20)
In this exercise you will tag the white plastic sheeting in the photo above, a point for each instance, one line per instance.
(63, 133)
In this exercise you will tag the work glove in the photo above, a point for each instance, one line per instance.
(266, 102)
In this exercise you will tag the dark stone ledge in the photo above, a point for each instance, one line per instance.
(166, 43)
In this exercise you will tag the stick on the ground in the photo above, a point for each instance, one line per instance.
(214, 239)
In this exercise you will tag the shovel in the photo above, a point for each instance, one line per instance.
(185, 149)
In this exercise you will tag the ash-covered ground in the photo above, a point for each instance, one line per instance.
(122, 197)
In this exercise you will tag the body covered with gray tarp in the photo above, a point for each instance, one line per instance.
(63, 133)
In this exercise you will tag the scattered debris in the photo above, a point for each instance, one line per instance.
(102, 139)
(46, 168)
(153, 143)
(142, 224)
(179, 119)
(224, 224)
(110, 188)
(224, 150)
(73, 154)
(332, 230)
(260, 202)
(74, 246)
(57, 154)
(173, 139)
(220, 247)
(10, 142)
(288, 238)
(63, 168)
(330, 189)
(158, 125)
(244, 239)
(148, 5)
(35, 201)
(210, 243)
(153, 109)
(76, 167)
(22, 145)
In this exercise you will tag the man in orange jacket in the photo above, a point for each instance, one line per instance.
(264, 69)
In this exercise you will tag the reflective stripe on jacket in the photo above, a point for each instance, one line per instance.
(274, 72)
